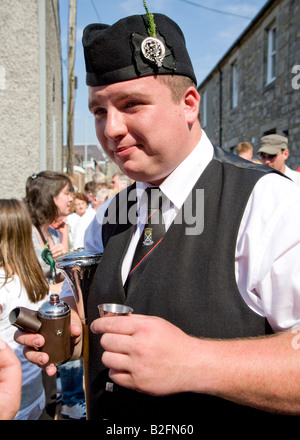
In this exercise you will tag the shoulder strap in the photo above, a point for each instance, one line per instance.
(41, 234)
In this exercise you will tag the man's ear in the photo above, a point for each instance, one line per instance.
(191, 102)
(286, 154)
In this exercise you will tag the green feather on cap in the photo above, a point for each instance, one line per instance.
(151, 25)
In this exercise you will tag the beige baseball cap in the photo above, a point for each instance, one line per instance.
(272, 144)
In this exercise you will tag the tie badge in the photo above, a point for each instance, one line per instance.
(148, 237)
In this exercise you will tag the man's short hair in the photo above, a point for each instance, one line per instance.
(243, 147)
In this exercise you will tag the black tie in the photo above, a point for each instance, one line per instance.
(152, 234)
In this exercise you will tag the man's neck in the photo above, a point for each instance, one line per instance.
(282, 169)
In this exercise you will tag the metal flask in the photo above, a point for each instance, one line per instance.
(54, 316)
(52, 320)
(79, 268)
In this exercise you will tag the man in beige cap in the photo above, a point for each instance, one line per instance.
(274, 152)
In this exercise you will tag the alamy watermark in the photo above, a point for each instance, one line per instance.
(126, 211)
(296, 79)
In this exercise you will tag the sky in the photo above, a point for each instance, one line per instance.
(210, 28)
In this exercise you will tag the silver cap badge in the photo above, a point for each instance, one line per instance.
(153, 50)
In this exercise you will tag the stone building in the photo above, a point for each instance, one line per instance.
(255, 88)
(30, 92)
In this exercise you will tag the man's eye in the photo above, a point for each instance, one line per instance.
(131, 104)
(99, 112)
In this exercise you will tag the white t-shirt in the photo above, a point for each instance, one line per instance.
(13, 295)
(72, 219)
(80, 228)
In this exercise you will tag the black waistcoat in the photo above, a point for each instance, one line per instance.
(189, 281)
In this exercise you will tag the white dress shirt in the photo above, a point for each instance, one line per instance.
(294, 175)
(267, 259)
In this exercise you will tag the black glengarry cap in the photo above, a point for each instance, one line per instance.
(125, 51)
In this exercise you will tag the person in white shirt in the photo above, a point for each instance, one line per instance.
(146, 116)
(99, 196)
(80, 228)
(274, 152)
(22, 284)
(85, 214)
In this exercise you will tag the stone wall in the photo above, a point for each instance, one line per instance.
(30, 92)
(261, 108)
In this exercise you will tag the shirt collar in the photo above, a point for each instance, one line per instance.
(180, 182)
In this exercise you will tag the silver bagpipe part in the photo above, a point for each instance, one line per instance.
(79, 268)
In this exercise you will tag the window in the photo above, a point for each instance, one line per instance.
(234, 85)
(204, 109)
(271, 54)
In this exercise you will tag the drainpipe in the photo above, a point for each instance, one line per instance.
(220, 105)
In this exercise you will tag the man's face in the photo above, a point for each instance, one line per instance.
(141, 128)
(276, 161)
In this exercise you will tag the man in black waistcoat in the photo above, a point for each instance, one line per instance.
(217, 299)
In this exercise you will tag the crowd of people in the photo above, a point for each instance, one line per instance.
(273, 151)
(49, 222)
(215, 312)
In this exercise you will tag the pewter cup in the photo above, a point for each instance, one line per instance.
(111, 309)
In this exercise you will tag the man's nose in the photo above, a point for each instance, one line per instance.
(115, 126)
(266, 161)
